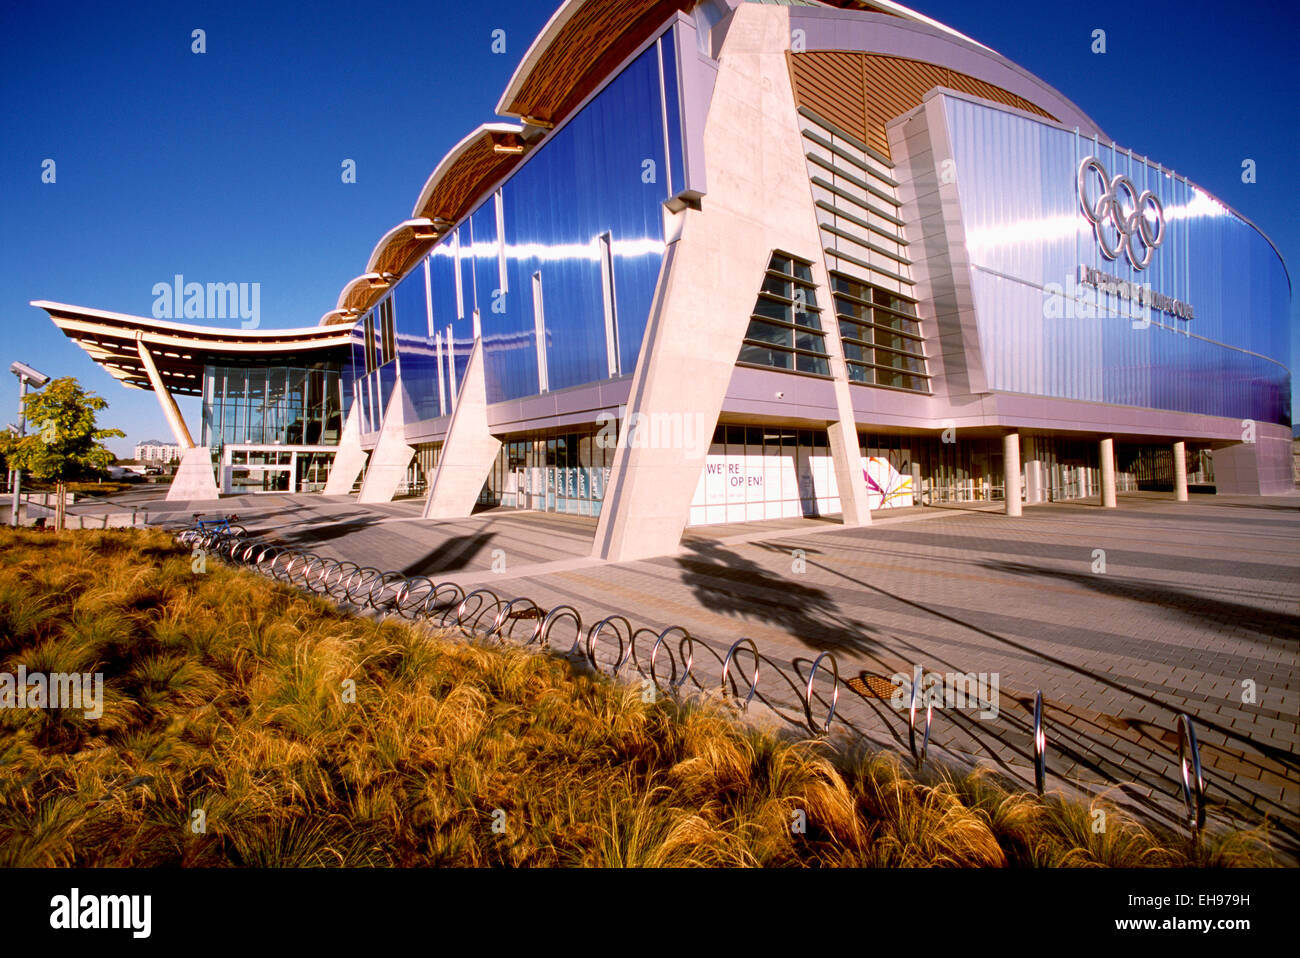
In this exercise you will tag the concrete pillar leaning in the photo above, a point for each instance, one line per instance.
(1180, 471)
(1011, 467)
(1108, 473)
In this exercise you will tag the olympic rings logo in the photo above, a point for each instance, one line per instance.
(1120, 215)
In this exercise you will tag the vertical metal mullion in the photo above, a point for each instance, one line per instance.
(451, 366)
(663, 116)
(460, 282)
(428, 297)
(611, 304)
(502, 275)
(442, 379)
(539, 330)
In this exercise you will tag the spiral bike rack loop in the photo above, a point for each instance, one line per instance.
(835, 695)
(688, 658)
(911, 727)
(282, 558)
(636, 659)
(412, 595)
(624, 648)
(357, 587)
(1040, 744)
(336, 579)
(1189, 763)
(515, 610)
(383, 590)
(726, 670)
(470, 626)
(442, 603)
(543, 632)
(298, 571)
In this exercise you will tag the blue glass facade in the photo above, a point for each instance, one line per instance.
(1043, 333)
(599, 182)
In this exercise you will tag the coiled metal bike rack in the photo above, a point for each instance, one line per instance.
(835, 695)
(443, 603)
(446, 604)
(624, 647)
(383, 590)
(1189, 763)
(468, 621)
(726, 670)
(516, 610)
(555, 615)
(411, 597)
(685, 647)
(911, 724)
(1040, 744)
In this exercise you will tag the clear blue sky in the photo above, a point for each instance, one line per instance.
(225, 166)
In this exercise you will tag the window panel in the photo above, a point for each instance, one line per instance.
(785, 319)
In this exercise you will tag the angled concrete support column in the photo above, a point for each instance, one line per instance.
(1011, 466)
(1180, 471)
(350, 459)
(391, 455)
(711, 276)
(1108, 473)
(468, 450)
(194, 477)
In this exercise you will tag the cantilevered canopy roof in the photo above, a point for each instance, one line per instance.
(179, 350)
(481, 158)
(586, 39)
(402, 246)
(485, 155)
(359, 295)
(581, 44)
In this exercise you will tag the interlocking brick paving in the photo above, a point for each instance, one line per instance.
(1195, 600)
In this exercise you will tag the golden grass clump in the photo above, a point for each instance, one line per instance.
(246, 723)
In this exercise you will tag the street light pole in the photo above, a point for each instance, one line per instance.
(25, 375)
(22, 431)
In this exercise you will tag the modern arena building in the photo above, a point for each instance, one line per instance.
(727, 261)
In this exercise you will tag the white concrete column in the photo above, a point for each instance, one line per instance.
(349, 459)
(1011, 466)
(468, 450)
(1108, 473)
(169, 407)
(391, 455)
(1180, 471)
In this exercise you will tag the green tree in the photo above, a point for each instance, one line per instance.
(63, 439)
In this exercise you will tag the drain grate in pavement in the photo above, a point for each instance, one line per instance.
(872, 686)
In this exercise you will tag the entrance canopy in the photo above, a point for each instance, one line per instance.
(118, 342)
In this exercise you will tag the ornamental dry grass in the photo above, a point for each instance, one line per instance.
(224, 694)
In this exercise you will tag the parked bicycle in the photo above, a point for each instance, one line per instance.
(212, 530)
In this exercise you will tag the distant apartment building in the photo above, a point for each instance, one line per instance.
(153, 450)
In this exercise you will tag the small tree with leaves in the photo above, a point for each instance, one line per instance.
(63, 441)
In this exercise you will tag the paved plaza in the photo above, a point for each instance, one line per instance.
(1122, 618)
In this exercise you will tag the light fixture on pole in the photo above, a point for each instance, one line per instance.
(25, 375)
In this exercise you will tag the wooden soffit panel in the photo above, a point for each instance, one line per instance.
(585, 51)
(861, 92)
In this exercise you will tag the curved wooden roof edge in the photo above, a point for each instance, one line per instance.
(362, 284)
(535, 52)
(553, 33)
(419, 229)
(445, 165)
